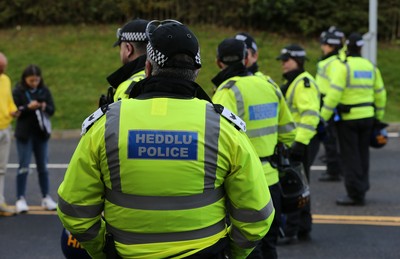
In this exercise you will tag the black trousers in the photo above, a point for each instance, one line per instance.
(332, 154)
(216, 251)
(267, 247)
(300, 222)
(354, 138)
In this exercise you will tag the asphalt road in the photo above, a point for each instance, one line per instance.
(372, 231)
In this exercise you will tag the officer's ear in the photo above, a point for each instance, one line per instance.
(148, 68)
(220, 64)
(130, 48)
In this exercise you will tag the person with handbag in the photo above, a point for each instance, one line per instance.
(32, 133)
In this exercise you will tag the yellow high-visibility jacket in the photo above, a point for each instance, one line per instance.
(123, 90)
(358, 88)
(259, 102)
(325, 69)
(163, 171)
(303, 99)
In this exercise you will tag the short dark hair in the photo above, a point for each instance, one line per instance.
(176, 71)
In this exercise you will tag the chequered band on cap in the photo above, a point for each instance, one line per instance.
(133, 36)
(294, 53)
(161, 59)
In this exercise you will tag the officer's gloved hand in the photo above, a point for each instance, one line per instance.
(297, 152)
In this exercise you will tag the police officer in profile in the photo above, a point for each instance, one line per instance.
(268, 120)
(303, 98)
(132, 41)
(167, 176)
(358, 96)
(331, 44)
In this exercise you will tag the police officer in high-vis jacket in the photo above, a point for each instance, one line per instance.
(331, 44)
(156, 175)
(132, 42)
(267, 118)
(303, 98)
(356, 98)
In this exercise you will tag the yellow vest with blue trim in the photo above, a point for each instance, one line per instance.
(123, 90)
(358, 88)
(261, 105)
(163, 177)
(303, 99)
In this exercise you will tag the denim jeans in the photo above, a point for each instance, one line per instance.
(39, 147)
(5, 145)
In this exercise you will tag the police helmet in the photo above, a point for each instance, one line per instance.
(71, 248)
(295, 191)
(331, 38)
(379, 136)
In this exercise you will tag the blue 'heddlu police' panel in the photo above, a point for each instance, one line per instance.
(362, 74)
(263, 111)
(160, 144)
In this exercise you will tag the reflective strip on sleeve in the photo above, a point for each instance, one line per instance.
(111, 138)
(310, 113)
(130, 238)
(360, 86)
(287, 128)
(253, 133)
(90, 234)
(250, 216)
(336, 87)
(139, 202)
(328, 107)
(306, 126)
(79, 211)
(380, 90)
(240, 239)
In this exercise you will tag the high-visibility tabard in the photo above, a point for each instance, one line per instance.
(159, 144)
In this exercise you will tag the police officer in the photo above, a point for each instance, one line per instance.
(165, 176)
(331, 43)
(132, 41)
(267, 118)
(359, 96)
(303, 98)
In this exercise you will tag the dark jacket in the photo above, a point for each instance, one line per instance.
(27, 123)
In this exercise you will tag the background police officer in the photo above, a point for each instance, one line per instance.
(267, 116)
(303, 98)
(359, 96)
(132, 41)
(166, 176)
(331, 43)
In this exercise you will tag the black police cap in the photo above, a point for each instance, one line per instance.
(355, 40)
(250, 42)
(170, 39)
(133, 31)
(231, 50)
(293, 51)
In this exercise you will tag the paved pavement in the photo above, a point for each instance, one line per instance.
(338, 232)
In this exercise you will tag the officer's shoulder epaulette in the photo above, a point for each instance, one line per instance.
(130, 87)
(306, 82)
(231, 117)
(89, 121)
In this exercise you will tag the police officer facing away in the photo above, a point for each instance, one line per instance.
(132, 41)
(303, 98)
(166, 176)
(359, 96)
(331, 43)
(267, 116)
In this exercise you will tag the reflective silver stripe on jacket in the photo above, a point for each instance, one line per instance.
(90, 234)
(240, 239)
(238, 96)
(305, 126)
(79, 211)
(287, 128)
(253, 133)
(249, 216)
(211, 137)
(130, 238)
(131, 201)
(111, 138)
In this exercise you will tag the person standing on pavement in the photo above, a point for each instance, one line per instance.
(359, 97)
(34, 100)
(8, 110)
(164, 178)
(132, 41)
(331, 43)
(268, 120)
(303, 98)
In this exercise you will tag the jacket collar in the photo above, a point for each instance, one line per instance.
(126, 71)
(237, 69)
(156, 86)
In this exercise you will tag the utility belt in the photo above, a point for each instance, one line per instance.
(345, 108)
